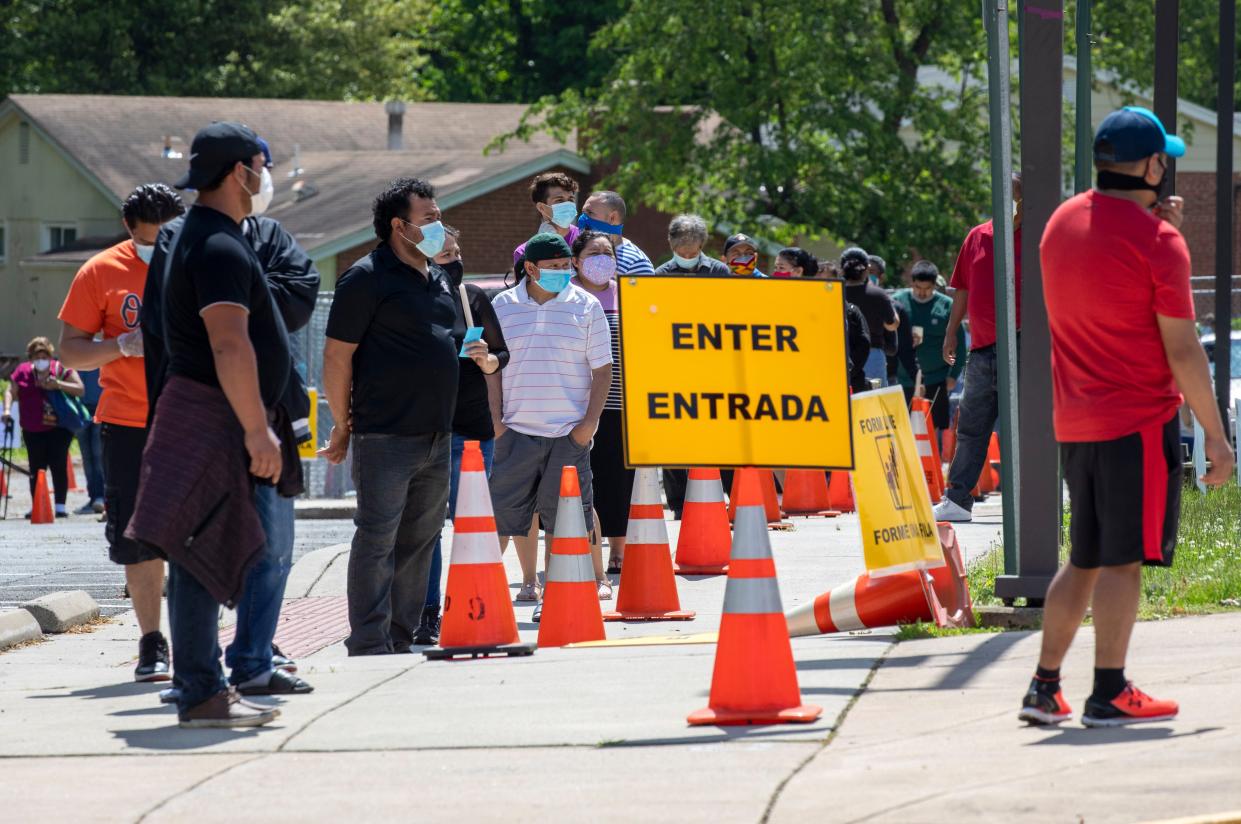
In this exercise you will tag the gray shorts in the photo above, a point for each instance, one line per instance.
(525, 478)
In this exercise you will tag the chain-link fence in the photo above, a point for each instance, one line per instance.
(323, 480)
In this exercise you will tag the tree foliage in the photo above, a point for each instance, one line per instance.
(804, 115)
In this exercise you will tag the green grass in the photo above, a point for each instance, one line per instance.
(1205, 576)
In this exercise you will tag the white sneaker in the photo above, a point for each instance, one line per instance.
(952, 512)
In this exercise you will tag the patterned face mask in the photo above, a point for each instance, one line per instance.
(598, 269)
(743, 265)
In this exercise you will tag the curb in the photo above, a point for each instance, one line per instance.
(325, 510)
(310, 568)
(17, 627)
(61, 611)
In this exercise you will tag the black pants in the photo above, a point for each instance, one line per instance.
(122, 459)
(50, 450)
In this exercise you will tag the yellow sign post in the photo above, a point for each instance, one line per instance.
(724, 372)
(893, 503)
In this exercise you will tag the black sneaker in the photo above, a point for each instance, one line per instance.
(1041, 706)
(428, 632)
(152, 658)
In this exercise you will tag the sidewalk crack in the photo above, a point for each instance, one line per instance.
(211, 777)
(326, 567)
(840, 720)
(346, 703)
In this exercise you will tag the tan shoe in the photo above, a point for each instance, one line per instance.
(226, 709)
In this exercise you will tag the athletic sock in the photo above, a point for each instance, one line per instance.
(1109, 683)
(1047, 680)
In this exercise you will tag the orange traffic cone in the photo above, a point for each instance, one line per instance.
(4, 483)
(950, 442)
(478, 613)
(884, 601)
(993, 461)
(570, 600)
(73, 479)
(928, 449)
(41, 506)
(771, 503)
(755, 681)
(840, 492)
(704, 541)
(648, 589)
(805, 493)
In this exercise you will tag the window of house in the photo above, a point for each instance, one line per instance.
(56, 235)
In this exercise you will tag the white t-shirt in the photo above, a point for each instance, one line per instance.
(552, 349)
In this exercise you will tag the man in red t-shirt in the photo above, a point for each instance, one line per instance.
(973, 279)
(1120, 363)
(99, 330)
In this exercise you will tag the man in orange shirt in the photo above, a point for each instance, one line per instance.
(99, 329)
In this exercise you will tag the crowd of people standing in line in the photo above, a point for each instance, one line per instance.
(201, 406)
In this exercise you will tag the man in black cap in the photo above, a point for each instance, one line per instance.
(741, 256)
(222, 331)
(876, 306)
(547, 406)
(390, 376)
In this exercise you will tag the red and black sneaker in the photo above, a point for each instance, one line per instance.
(1132, 706)
(1043, 706)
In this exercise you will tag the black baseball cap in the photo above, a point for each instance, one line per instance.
(215, 149)
(853, 257)
(1133, 133)
(738, 239)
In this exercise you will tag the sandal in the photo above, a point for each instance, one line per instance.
(528, 593)
(605, 590)
(614, 566)
(538, 612)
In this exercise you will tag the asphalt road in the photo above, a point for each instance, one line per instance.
(72, 554)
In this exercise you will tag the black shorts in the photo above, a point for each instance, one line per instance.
(1125, 497)
(122, 460)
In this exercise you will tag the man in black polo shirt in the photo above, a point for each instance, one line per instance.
(390, 377)
(876, 306)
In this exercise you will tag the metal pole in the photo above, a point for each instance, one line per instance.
(1083, 152)
(1005, 288)
(1224, 199)
(1167, 31)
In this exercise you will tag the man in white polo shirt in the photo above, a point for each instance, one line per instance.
(550, 397)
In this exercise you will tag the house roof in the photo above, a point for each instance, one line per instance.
(118, 143)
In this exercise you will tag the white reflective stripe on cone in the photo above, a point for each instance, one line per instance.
(473, 496)
(570, 520)
(752, 596)
(646, 531)
(570, 569)
(704, 492)
(750, 533)
(843, 609)
(801, 621)
(919, 423)
(924, 448)
(475, 548)
(646, 487)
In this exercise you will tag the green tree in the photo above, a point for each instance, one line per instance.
(794, 118)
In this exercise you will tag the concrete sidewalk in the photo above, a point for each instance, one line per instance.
(600, 735)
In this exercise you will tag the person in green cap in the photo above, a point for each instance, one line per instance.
(929, 311)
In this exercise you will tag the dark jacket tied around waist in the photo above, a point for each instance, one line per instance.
(195, 502)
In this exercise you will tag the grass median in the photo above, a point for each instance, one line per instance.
(1205, 576)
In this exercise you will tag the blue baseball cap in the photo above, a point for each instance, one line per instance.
(1133, 133)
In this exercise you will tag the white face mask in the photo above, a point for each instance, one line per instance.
(144, 252)
(42, 364)
(260, 200)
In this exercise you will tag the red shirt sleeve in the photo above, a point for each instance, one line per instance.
(1170, 269)
(965, 263)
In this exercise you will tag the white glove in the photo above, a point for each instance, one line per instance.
(130, 344)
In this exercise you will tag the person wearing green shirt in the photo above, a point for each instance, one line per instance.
(928, 315)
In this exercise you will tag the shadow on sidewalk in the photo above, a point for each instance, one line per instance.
(122, 690)
(173, 738)
(725, 734)
(1083, 737)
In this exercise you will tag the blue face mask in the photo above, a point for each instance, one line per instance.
(145, 253)
(564, 213)
(585, 221)
(432, 242)
(554, 280)
(687, 263)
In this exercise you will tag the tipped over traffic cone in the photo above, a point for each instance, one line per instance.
(805, 493)
(41, 506)
(755, 681)
(648, 589)
(478, 613)
(72, 484)
(705, 537)
(570, 600)
(871, 602)
(928, 449)
(840, 492)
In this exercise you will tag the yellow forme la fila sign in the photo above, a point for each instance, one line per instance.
(734, 371)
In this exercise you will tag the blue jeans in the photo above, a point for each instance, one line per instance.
(91, 444)
(194, 618)
(877, 364)
(437, 557)
(977, 414)
(258, 611)
(402, 483)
